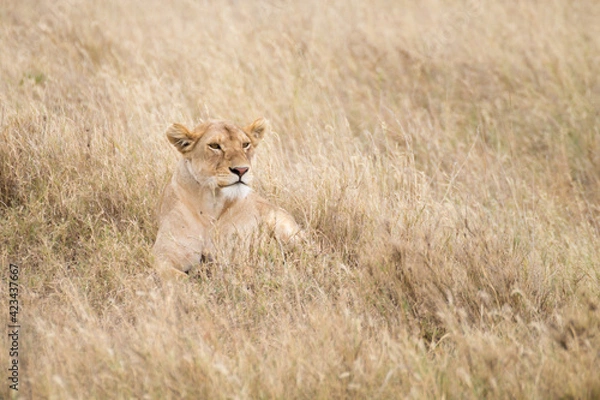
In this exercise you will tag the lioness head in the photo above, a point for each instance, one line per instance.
(217, 154)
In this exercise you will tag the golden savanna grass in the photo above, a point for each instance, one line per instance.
(443, 156)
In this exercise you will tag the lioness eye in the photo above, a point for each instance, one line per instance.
(214, 146)
(246, 145)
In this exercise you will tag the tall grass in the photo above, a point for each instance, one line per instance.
(443, 156)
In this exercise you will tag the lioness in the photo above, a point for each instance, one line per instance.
(208, 198)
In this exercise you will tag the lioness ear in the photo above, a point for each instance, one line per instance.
(181, 137)
(257, 130)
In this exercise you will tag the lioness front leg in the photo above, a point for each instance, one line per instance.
(167, 271)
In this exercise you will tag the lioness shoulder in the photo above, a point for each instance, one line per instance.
(209, 195)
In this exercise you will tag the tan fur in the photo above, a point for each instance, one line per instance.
(204, 203)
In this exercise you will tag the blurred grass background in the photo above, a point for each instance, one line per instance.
(443, 155)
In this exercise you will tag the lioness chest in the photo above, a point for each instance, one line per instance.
(187, 234)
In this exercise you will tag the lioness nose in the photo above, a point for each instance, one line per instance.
(239, 171)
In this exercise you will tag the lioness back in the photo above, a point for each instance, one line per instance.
(209, 195)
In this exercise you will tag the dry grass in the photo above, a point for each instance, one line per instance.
(444, 155)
